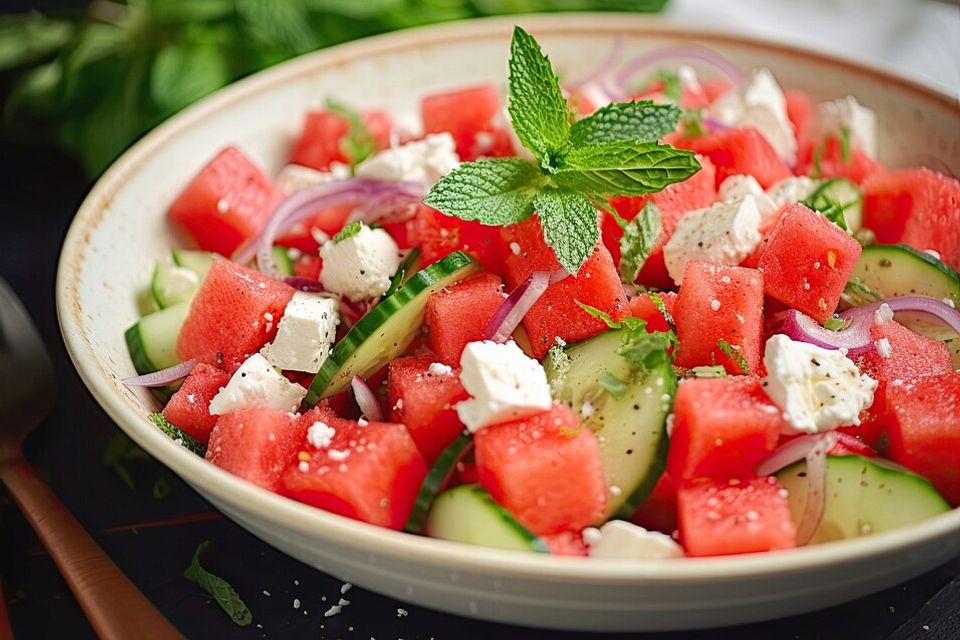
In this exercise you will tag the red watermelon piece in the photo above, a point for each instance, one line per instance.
(659, 510)
(256, 444)
(919, 207)
(227, 202)
(370, 473)
(738, 516)
(235, 312)
(645, 308)
(719, 302)
(802, 114)
(438, 235)
(189, 407)
(468, 115)
(545, 470)
(722, 428)
(739, 151)
(556, 314)
(566, 543)
(423, 402)
(924, 431)
(320, 142)
(807, 262)
(460, 313)
(858, 166)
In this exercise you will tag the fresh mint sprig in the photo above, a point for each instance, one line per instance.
(639, 237)
(358, 144)
(218, 588)
(611, 152)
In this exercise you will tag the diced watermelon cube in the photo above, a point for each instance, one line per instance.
(722, 428)
(256, 444)
(321, 139)
(659, 511)
(227, 202)
(645, 308)
(235, 312)
(545, 470)
(189, 407)
(438, 235)
(469, 109)
(717, 302)
(329, 221)
(675, 201)
(807, 262)
(826, 158)
(370, 473)
(739, 151)
(728, 517)
(802, 115)
(556, 314)
(919, 207)
(460, 313)
(566, 543)
(423, 402)
(924, 430)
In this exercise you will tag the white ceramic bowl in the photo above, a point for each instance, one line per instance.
(121, 229)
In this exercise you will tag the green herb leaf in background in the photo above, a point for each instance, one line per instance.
(218, 588)
(641, 121)
(639, 237)
(358, 144)
(348, 231)
(25, 38)
(672, 87)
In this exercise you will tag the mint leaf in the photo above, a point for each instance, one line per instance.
(218, 588)
(845, 153)
(613, 385)
(27, 37)
(662, 308)
(599, 315)
(625, 168)
(829, 209)
(538, 111)
(672, 87)
(348, 231)
(639, 236)
(641, 121)
(358, 144)
(691, 123)
(733, 352)
(836, 323)
(570, 228)
(645, 350)
(857, 294)
(498, 191)
(177, 435)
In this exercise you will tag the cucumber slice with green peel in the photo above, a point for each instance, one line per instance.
(847, 195)
(863, 496)
(152, 341)
(171, 284)
(630, 429)
(436, 480)
(931, 327)
(899, 270)
(146, 303)
(468, 514)
(281, 258)
(387, 330)
(404, 271)
(197, 261)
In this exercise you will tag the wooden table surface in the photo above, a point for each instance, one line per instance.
(153, 538)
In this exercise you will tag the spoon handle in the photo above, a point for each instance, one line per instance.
(115, 607)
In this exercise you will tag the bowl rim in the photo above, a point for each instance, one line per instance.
(224, 488)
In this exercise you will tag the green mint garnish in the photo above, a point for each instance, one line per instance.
(835, 323)
(348, 231)
(662, 308)
(672, 87)
(829, 209)
(644, 350)
(178, 435)
(715, 371)
(218, 588)
(358, 144)
(856, 293)
(691, 122)
(557, 360)
(401, 275)
(845, 153)
(599, 314)
(732, 351)
(612, 152)
(613, 385)
(639, 236)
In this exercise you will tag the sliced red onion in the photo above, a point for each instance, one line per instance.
(163, 377)
(786, 454)
(714, 126)
(376, 199)
(920, 304)
(854, 338)
(658, 56)
(816, 487)
(366, 400)
(604, 69)
(508, 317)
(308, 284)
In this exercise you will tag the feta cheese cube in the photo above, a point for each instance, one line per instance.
(818, 389)
(360, 267)
(505, 384)
(621, 539)
(759, 102)
(688, 79)
(294, 177)
(725, 233)
(425, 161)
(860, 123)
(740, 185)
(257, 384)
(791, 190)
(306, 331)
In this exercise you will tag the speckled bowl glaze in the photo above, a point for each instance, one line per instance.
(121, 229)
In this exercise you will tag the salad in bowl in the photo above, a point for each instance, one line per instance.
(649, 313)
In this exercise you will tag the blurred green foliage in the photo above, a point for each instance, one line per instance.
(96, 80)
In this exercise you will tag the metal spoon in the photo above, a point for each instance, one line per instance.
(113, 604)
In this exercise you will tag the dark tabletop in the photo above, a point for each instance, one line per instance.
(151, 523)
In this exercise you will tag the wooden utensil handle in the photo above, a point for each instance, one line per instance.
(115, 607)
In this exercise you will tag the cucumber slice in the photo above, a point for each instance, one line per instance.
(900, 270)
(863, 496)
(468, 514)
(281, 258)
(930, 327)
(171, 284)
(404, 271)
(152, 341)
(436, 480)
(630, 429)
(197, 261)
(387, 330)
(847, 195)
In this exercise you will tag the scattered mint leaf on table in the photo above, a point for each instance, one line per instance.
(218, 588)
(639, 237)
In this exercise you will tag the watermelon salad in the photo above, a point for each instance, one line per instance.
(655, 312)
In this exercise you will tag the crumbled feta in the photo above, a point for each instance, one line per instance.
(294, 177)
(883, 314)
(360, 267)
(737, 186)
(688, 79)
(621, 539)
(320, 434)
(505, 384)
(818, 389)
(883, 348)
(949, 302)
(791, 190)
(406, 126)
(759, 102)
(425, 161)
(439, 369)
(859, 122)
(257, 384)
(306, 331)
(725, 233)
